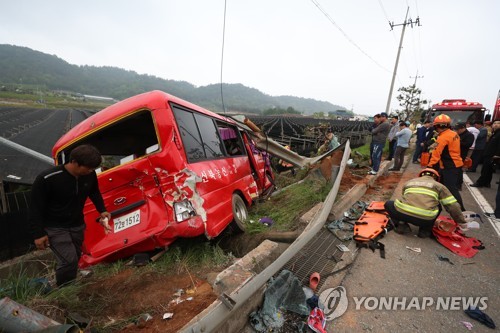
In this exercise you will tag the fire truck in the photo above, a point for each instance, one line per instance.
(496, 109)
(459, 110)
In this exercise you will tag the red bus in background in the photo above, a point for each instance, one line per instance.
(496, 109)
(459, 110)
(170, 169)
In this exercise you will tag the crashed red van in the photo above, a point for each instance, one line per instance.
(170, 169)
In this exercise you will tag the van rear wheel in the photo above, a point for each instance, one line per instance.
(240, 213)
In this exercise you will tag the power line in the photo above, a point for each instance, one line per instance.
(222, 58)
(383, 10)
(420, 52)
(414, 49)
(395, 40)
(346, 36)
(416, 6)
(420, 49)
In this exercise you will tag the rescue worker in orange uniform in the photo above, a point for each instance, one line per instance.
(446, 156)
(421, 203)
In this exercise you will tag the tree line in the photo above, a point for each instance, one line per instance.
(24, 66)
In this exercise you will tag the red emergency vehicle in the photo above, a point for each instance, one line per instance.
(496, 109)
(170, 169)
(459, 110)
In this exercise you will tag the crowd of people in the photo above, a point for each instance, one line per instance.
(451, 150)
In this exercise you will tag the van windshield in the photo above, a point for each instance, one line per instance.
(120, 142)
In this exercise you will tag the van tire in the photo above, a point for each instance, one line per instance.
(240, 214)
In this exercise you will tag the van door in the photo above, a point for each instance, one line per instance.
(132, 196)
(261, 167)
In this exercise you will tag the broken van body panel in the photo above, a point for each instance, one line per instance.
(170, 169)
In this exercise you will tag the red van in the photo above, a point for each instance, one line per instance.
(170, 169)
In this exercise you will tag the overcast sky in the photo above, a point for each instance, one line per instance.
(342, 52)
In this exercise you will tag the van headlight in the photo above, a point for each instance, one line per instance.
(183, 210)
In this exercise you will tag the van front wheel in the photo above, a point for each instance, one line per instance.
(240, 213)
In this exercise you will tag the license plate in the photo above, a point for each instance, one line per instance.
(126, 221)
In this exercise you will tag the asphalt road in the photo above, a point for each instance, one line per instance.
(422, 277)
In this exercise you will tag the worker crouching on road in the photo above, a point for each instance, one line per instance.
(421, 203)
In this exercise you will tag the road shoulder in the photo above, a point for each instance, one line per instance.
(405, 273)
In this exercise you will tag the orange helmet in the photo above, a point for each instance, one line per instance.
(442, 120)
(429, 172)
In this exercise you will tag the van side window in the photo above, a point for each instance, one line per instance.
(232, 141)
(211, 141)
(200, 135)
(190, 135)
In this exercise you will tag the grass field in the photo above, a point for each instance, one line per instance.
(47, 100)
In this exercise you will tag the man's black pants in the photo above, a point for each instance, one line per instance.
(66, 243)
(486, 172)
(392, 149)
(450, 178)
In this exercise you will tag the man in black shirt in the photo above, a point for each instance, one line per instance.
(466, 141)
(488, 162)
(56, 213)
(479, 145)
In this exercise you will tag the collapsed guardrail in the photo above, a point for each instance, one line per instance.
(227, 306)
(27, 151)
(265, 143)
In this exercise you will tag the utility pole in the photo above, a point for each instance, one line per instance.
(404, 24)
(416, 77)
(413, 91)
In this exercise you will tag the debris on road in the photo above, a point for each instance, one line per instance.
(267, 221)
(471, 225)
(468, 325)
(314, 281)
(343, 248)
(415, 249)
(443, 258)
(168, 315)
(480, 316)
(316, 321)
(283, 293)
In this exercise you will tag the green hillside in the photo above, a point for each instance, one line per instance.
(24, 66)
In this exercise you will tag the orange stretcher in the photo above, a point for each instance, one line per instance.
(371, 226)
